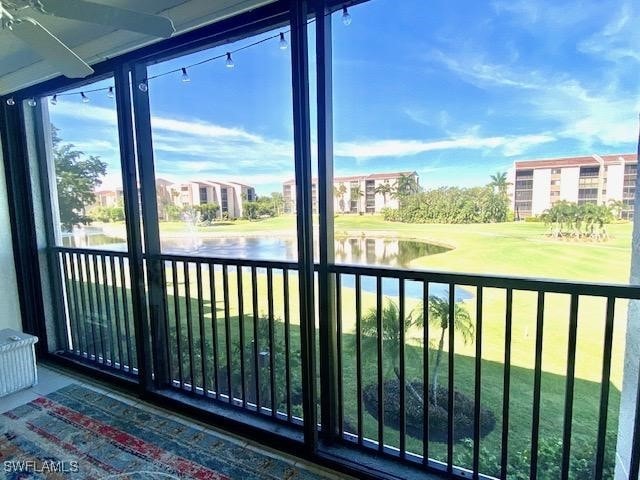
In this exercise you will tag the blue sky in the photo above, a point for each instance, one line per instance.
(455, 91)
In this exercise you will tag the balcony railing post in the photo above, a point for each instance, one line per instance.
(329, 374)
(302, 148)
(134, 237)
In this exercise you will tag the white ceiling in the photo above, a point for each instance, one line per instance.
(21, 67)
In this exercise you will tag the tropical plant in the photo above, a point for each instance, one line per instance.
(391, 325)
(499, 182)
(439, 318)
(404, 187)
(339, 192)
(355, 194)
(384, 189)
(588, 220)
(208, 211)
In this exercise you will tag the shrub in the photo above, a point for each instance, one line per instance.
(438, 417)
(452, 205)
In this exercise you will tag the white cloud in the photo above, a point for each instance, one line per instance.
(588, 115)
(511, 145)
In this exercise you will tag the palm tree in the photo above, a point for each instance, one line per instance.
(499, 182)
(384, 189)
(439, 318)
(616, 207)
(339, 192)
(405, 186)
(356, 193)
(390, 337)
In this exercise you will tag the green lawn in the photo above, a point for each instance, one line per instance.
(521, 249)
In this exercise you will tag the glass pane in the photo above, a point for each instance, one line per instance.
(223, 146)
(85, 178)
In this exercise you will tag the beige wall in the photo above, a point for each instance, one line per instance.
(9, 306)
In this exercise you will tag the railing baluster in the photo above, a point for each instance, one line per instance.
(477, 386)
(187, 299)
(568, 404)
(506, 386)
(450, 372)
(537, 383)
(339, 353)
(380, 349)
(116, 310)
(402, 379)
(99, 314)
(107, 309)
(425, 372)
(214, 326)
(241, 334)
(604, 387)
(78, 302)
(256, 339)
(358, 292)
(127, 319)
(87, 270)
(287, 339)
(272, 353)
(176, 308)
(227, 329)
(203, 348)
(82, 315)
(167, 326)
(62, 258)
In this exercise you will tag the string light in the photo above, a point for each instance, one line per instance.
(144, 87)
(346, 18)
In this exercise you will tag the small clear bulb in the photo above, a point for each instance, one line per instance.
(85, 99)
(283, 42)
(346, 18)
(54, 100)
(11, 102)
(31, 102)
(185, 76)
(230, 63)
(143, 87)
(110, 92)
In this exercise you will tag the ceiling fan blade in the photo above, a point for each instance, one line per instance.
(51, 48)
(115, 17)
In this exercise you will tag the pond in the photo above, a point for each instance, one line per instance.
(371, 251)
(376, 251)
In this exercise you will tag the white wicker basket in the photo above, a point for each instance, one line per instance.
(17, 361)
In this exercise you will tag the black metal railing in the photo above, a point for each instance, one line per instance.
(99, 324)
(390, 305)
(410, 387)
(229, 332)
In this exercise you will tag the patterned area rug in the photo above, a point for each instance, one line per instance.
(77, 433)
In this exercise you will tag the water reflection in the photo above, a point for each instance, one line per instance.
(351, 250)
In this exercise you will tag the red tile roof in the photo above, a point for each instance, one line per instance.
(371, 176)
(576, 161)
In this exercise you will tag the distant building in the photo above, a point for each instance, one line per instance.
(352, 194)
(109, 198)
(537, 185)
(230, 196)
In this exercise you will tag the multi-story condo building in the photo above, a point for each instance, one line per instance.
(230, 196)
(536, 185)
(353, 194)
